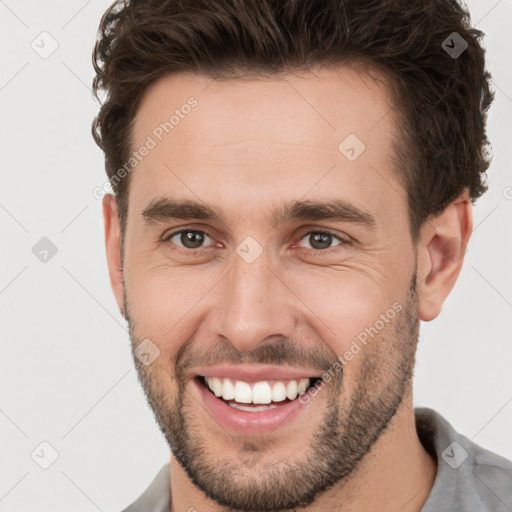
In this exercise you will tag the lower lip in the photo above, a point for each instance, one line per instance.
(244, 422)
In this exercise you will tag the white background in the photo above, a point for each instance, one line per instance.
(65, 366)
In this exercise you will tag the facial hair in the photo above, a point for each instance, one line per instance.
(349, 428)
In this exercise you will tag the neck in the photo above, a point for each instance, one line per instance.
(397, 474)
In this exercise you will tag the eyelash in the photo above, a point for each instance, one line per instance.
(192, 252)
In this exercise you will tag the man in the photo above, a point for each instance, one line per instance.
(293, 193)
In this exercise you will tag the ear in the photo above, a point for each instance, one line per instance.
(113, 248)
(441, 250)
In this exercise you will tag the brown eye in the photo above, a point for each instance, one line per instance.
(321, 240)
(189, 239)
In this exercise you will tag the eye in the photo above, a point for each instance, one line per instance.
(321, 240)
(190, 239)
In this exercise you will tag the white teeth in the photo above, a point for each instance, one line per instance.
(243, 392)
(302, 386)
(217, 386)
(291, 390)
(278, 392)
(228, 390)
(259, 392)
(258, 408)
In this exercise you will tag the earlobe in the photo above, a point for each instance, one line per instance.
(441, 251)
(113, 249)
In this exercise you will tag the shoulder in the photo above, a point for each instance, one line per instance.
(157, 497)
(469, 477)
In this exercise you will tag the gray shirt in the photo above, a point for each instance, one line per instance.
(469, 478)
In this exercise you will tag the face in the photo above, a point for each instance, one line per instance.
(263, 250)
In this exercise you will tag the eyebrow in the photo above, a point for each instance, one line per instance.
(165, 209)
(334, 209)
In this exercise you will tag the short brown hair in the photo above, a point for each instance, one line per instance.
(441, 100)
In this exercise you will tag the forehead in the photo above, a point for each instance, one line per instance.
(266, 138)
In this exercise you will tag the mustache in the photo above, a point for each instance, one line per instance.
(280, 352)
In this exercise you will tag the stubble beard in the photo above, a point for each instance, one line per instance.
(348, 429)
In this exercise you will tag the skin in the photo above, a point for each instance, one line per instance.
(249, 146)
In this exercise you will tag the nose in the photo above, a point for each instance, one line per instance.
(255, 304)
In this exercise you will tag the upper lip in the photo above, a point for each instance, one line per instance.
(255, 373)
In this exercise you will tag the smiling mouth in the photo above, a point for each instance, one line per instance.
(256, 396)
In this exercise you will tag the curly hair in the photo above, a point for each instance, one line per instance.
(441, 99)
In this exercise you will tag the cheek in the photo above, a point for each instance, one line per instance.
(346, 308)
(163, 302)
